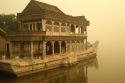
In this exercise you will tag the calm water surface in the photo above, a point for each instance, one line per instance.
(75, 74)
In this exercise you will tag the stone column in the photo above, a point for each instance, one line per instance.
(43, 25)
(31, 49)
(81, 46)
(60, 28)
(69, 27)
(60, 47)
(52, 27)
(66, 46)
(85, 43)
(66, 29)
(75, 29)
(79, 29)
(52, 48)
(44, 50)
(70, 46)
(75, 46)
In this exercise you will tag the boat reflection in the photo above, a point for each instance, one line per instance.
(74, 74)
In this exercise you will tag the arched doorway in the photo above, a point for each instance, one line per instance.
(63, 47)
(56, 47)
(48, 48)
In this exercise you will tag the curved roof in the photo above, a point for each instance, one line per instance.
(48, 7)
(39, 10)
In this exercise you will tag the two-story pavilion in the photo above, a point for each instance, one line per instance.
(46, 31)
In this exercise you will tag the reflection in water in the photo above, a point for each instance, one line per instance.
(74, 74)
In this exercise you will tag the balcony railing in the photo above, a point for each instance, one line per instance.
(43, 33)
(64, 34)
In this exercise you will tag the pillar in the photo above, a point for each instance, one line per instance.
(81, 46)
(69, 46)
(75, 46)
(44, 50)
(52, 27)
(43, 25)
(85, 43)
(31, 49)
(52, 48)
(66, 29)
(60, 27)
(69, 27)
(66, 46)
(79, 29)
(60, 47)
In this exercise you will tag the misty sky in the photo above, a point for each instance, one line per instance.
(107, 17)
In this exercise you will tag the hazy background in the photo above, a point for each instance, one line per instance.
(107, 18)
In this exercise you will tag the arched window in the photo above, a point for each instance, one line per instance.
(72, 28)
(56, 28)
(48, 48)
(63, 47)
(56, 47)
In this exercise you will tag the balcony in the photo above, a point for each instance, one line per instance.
(38, 35)
(44, 33)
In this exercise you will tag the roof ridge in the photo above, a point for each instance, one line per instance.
(46, 4)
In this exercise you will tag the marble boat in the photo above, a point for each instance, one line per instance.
(20, 67)
(46, 38)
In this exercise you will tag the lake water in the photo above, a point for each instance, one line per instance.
(107, 67)
(75, 74)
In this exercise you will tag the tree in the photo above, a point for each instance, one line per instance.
(9, 22)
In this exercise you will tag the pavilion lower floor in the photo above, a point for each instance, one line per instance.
(44, 48)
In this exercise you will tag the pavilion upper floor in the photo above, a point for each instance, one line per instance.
(47, 28)
(53, 28)
(43, 20)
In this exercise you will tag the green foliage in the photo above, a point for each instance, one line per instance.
(9, 22)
